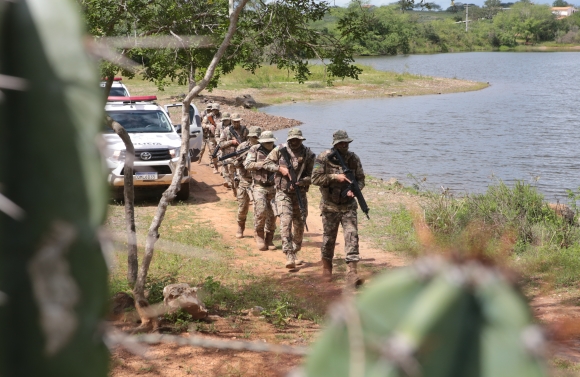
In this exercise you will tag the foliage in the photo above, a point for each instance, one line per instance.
(502, 210)
(277, 32)
(386, 30)
(52, 271)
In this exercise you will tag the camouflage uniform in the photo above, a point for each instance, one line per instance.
(264, 192)
(206, 133)
(286, 201)
(227, 146)
(244, 190)
(225, 122)
(209, 139)
(336, 208)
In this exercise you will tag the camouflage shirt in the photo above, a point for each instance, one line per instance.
(302, 157)
(238, 162)
(255, 164)
(333, 192)
(227, 137)
(208, 128)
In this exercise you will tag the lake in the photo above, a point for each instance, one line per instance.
(523, 127)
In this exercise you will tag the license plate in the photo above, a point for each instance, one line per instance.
(142, 176)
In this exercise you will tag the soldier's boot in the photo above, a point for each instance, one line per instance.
(290, 260)
(269, 240)
(326, 270)
(241, 228)
(352, 275)
(297, 247)
(259, 237)
(215, 171)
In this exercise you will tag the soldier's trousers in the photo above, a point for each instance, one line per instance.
(263, 214)
(228, 172)
(210, 144)
(330, 223)
(291, 224)
(243, 201)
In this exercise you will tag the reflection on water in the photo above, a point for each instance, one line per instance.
(525, 126)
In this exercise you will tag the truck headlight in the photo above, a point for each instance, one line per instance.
(116, 155)
(174, 152)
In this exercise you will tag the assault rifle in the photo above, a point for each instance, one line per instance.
(353, 185)
(217, 148)
(215, 151)
(234, 154)
(293, 184)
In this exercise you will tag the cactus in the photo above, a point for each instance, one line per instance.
(435, 319)
(53, 276)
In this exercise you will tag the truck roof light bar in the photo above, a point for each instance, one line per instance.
(115, 79)
(131, 99)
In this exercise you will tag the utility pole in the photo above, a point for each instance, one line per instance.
(466, 16)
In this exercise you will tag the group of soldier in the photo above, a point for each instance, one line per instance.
(277, 178)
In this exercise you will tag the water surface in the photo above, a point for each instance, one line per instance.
(523, 127)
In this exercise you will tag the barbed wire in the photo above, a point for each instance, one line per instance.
(134, 343)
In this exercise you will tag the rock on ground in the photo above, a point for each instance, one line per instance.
(182, 296)
(251, 117)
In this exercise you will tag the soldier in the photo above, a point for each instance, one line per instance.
(264, 191)
(230, 138)
(225, 122)
(338, 204)
(302, 161)
(244, 191)
(209, 126)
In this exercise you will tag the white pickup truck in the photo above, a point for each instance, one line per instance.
(157, 145)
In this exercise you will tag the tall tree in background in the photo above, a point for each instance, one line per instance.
(491, 8)
(560, 3)
(380, 30)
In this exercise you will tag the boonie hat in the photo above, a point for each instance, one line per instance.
(340, 136)
(267, 137)
(216, 106)
(295, 133)
(236, 117)
(226, 116)
(255, 131)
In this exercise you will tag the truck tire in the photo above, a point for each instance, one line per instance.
(183, 193)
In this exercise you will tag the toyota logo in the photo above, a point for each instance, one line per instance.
(145, 156)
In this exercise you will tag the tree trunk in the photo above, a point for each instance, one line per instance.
(129, 194)
(191, 77)
(147, 321)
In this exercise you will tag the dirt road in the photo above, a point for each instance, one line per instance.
(209, 195)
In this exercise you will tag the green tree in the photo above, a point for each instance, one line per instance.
(560, 3)
(383, 30)
(527, 21)
(491, 8)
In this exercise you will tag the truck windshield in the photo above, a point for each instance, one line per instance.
(142, 121)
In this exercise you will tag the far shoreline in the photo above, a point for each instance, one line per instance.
(270, 86)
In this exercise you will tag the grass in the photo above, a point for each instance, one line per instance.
(270, 85)
(191, 251)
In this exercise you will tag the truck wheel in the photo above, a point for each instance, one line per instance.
(183, 193)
